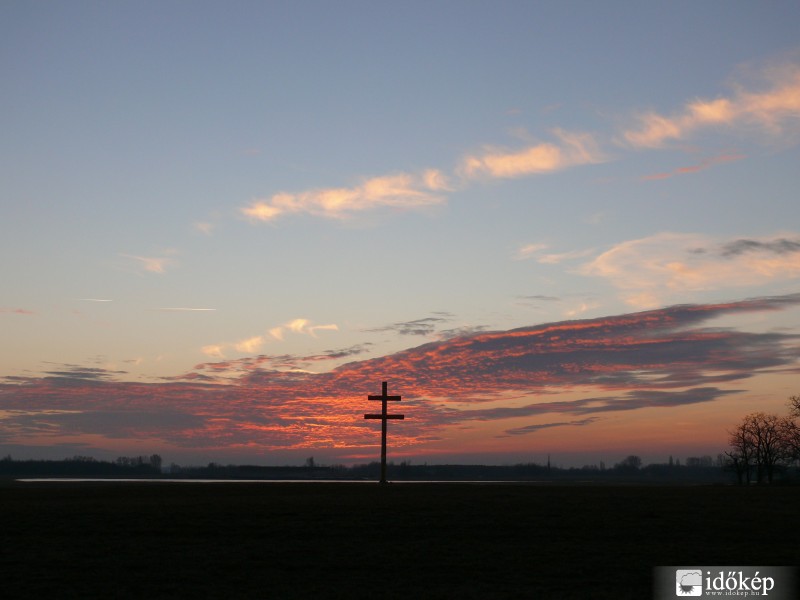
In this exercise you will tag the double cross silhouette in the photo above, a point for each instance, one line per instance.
(383, 416)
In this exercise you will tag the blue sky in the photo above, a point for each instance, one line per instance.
(196, 183)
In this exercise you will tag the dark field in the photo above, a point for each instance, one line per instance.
(284, 540)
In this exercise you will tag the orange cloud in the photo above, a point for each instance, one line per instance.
(249, 345)
(254, 343)
(301, 326)
(573, 149)
(402, 191)
(529, 250)
(774, 110)
(213, 350)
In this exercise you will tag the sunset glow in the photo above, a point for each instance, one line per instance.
(224, 229)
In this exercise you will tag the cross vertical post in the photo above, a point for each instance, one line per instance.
(384, 416)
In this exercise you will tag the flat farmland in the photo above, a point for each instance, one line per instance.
(354, 540)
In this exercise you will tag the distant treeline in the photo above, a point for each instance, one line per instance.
(693, 470)
(697, 472)
(83, 466)
(702, 469)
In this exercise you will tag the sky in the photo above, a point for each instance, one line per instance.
(564, 229)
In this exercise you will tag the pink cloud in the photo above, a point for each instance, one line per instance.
(701, 166)
(660, 358)
(16, 311)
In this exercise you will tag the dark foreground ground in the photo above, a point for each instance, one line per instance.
(303, 540)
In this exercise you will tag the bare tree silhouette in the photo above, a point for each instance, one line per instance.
(764, 442)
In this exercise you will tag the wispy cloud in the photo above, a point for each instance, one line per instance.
(254, 343)
(16, 311)
(214, 350)
(301, 326)
(571, 149)
(779, 247)
(773, 110)
(527, 251)
(581, 308)
(70, 372)
(701, 166)
(281, 362)
(401, 191)
(249, 345)
(426, 326)
(457, 332)
(626, 401)
(540, 298)
(538, 427)
(436, 181)
(204, 227)
(536, 251)
(184, 309)
(633, 400)
(650, 270)
(152, 264)
(559, 257)
(243, 346)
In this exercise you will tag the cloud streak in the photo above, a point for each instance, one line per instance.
(773, 110)
(779, 247)
(701, 166)
(254, 343)
(152, 264)
(184, 309)
(16, 311)
(301, 326)
(534, 428)
(632, 400)
(422, 327)
(220, 371)
(571, 149)
(536, 251)
(400, 192)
